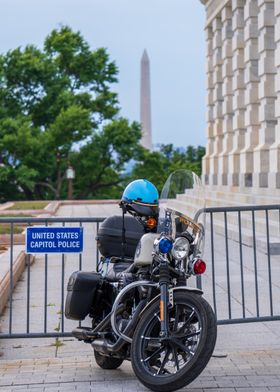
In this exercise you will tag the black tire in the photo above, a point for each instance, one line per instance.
(106, 362)
(193, 332)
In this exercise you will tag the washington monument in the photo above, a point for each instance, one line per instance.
(145, 102)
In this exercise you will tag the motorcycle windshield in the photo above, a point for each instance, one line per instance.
(181, 207)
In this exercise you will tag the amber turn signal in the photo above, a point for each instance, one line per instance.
(151, 223)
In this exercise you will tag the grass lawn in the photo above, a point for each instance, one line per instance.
(16, 215)
(7, 229)
(28, 205)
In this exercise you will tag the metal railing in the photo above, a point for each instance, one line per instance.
(46, 270)
(244, 269)
(242, 281)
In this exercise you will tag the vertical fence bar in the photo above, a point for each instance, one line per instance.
(46, 295)
(80, 255)
(97, 252)
(241, 264)
(213, 263)
(199, 282)
(80, 267)
(46, 291)
(255, 263)
(62, 288)
(11, 276)
(227, 265)
(80, 261)
(28, 296)
(62, 292)
(269, 263)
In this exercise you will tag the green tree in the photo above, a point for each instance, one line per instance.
(101, 162)
(156, 166)
(56, 105)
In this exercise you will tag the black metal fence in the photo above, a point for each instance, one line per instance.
(242, 281)
(35, 306)
(243, 247)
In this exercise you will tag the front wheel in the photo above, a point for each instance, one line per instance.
(169, 363)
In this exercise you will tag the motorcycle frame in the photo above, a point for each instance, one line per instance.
(166, 295)
(101, 344)
(117, 302)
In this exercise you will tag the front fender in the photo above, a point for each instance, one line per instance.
(189, 289)
(172, 289)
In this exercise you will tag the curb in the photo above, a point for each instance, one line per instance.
(18, 239)
(18, 268)
(6, 205)
(52, 207)
(77, 202)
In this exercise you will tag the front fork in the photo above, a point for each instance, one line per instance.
(164, 280)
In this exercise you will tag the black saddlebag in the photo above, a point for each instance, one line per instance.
(80, 294)
(109, 236)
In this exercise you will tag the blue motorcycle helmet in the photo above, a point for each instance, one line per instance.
(141, 197)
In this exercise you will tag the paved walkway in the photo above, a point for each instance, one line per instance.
(237, 372)
(247, 356)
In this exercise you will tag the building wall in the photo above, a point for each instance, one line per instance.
(243, 93)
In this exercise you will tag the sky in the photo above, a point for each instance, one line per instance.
(172, 32)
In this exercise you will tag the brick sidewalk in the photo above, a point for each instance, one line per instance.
(236, 372)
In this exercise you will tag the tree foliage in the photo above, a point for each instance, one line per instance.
(157, 165)
(52, 101)
(57, 108)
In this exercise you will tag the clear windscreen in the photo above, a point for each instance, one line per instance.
(181, 205)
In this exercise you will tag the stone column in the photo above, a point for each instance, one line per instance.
(266, 47)
(210, 104)
(217, 98)
(227, 94)
(238, 91)
(251, 101)
(274, 155)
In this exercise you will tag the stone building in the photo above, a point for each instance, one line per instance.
(243, 94)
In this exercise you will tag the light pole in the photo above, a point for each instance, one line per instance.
(70, 175)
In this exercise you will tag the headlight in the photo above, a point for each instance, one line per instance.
(180, 248)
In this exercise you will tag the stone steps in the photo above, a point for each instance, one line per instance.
(190, 209)
(223, 198)
(247, 237)
(244, 196)
(190, 199)
(188, 205)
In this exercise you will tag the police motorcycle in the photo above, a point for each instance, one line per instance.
(139, 302)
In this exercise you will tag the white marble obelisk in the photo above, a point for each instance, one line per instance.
(145, 102)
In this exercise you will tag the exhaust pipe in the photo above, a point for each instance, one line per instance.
(83, 333)
(106, 347)
(88, 334)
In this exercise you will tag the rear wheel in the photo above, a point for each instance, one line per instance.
(169, 363)
(106, 362)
